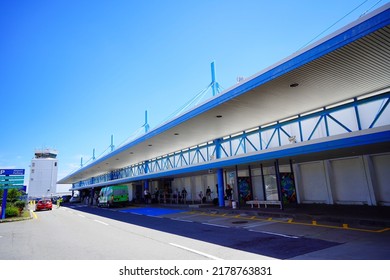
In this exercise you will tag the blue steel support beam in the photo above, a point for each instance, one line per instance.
(300, 128)
(213, 80)
(355, 105)
(146, 170)
(279, 140)
(221, 194)
(146, 184)
(380, 113)
(326, 124)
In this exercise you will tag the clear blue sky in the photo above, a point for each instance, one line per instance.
(73, 73)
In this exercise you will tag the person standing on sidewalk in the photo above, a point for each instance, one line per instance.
(59, 200)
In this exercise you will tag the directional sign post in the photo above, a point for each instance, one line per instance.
(10, 179)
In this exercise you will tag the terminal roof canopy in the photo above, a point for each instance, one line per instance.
(350, 62)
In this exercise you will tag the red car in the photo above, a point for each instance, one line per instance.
(44, 204)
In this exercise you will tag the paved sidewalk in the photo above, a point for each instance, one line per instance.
(357, 215)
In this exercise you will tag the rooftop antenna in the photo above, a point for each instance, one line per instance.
(93, 154)
(81, 162)
(213, 82)
(146, 125)
(112, 143)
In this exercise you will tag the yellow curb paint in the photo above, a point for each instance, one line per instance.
(383, 230)
(34, 215)
(290, 221)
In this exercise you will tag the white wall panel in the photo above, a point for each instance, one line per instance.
(381, 165)
(312, 183)
(349, 181)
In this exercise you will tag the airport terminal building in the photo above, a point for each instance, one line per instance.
(313, 128)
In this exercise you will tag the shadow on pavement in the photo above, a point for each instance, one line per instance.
(237, 238)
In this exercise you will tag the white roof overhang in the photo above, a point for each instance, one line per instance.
(350, 62)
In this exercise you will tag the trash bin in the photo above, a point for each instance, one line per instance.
(234, 204)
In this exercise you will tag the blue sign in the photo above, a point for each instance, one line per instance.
(11, 171)
(6, 183)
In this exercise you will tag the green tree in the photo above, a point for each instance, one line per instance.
(13, 195)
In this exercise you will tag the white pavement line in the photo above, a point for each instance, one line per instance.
(193, 215)
(153, 216)
(195, 251)
(82, 216)
(180, 220)
(103, 223)
(215, 225)
(278, 234)
(258, 224)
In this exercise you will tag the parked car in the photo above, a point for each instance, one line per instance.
(44, 204)
(75, 199)
(66, 198)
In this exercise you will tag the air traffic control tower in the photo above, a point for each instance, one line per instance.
(43, 173)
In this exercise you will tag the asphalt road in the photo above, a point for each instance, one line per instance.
(164, 234)
(66, 233)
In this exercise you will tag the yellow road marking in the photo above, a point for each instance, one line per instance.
(34, 215)
(291, 222)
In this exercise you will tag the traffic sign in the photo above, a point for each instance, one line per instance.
(11, 183)
(11, 171)
(9, 178)
(8, 181)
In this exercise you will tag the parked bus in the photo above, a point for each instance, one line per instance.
(113, 196)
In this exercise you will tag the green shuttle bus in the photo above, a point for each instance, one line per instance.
(113, 196)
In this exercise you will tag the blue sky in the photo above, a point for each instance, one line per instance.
(73, 73)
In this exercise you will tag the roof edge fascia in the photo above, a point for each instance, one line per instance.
(357, 29)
